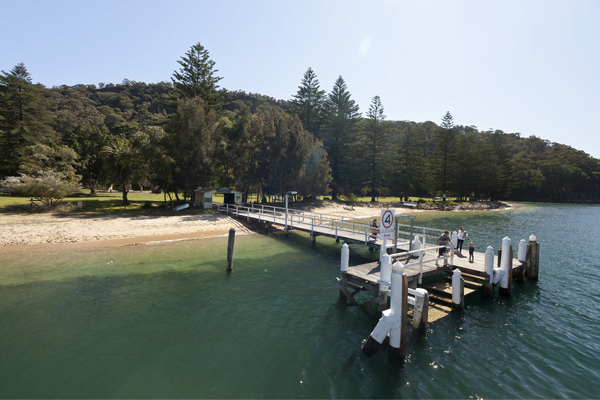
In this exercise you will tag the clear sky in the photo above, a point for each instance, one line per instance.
(521, 66)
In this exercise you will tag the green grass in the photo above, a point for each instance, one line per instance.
(109, 203)
(112, 203)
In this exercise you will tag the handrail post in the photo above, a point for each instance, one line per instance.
(336, 230)
(396, 233)
(366, 228)
(421, 265)
(412, 222)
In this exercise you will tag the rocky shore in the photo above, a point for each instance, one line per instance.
(464, 206)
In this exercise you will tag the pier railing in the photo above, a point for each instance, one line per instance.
(334, 224)
(420, 253)
(300, 218)
(425, 234)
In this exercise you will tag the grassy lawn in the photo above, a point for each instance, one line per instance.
(147, 203)
(110, 203)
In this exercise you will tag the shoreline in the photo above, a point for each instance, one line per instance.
(49, 232)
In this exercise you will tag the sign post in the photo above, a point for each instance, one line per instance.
(387, 229)
(388, 217)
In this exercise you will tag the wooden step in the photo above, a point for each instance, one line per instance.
(471, 276)
(445, 288)
(444, 302)
(475, 284)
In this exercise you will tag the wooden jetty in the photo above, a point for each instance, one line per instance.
(432, 285)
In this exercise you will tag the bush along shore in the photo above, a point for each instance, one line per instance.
(463, 206)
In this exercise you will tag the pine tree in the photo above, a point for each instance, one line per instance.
(193, 139)
(197, 77)
(442, 157)
(376, 146)
(308, 102)
(410, 161)
(24, 120)
(341, 116)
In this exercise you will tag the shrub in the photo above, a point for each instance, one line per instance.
(48, 187)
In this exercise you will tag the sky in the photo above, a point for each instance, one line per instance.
(531, 67)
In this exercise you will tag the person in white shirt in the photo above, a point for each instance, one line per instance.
(462, 235)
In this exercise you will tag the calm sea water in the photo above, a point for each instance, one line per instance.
(167, 321)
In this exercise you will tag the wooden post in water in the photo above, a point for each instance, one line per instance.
(230, 243)
(533, 258)
(519, 275)
(385, 276)
(394, 320)
(506, 266)
(398, 337)
(344, 264)
(488, 268)
(458, 290)
(421, 310)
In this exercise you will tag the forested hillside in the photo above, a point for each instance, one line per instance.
(187, 133)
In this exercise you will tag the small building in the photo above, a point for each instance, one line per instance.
(204, 196)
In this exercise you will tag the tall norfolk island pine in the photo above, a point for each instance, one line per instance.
(376, 145)
(24, 119)
(197, 77)
(442, 158)
(341, 116)
(308, 102)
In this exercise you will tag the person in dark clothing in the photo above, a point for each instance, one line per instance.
(443, 240)
(471, 252)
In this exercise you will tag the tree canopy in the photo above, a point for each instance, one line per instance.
(180, 135)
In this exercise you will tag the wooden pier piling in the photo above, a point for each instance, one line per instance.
(507, 266)
(230, 244)
(488, 271)
(533, 258)
(397, 350)
(393, 321)
(458, 290)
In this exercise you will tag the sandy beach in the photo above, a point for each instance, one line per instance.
(53, 232)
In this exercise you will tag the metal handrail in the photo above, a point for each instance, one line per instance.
(348, 224)
(314, 218)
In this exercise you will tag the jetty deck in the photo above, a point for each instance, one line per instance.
(369, 272)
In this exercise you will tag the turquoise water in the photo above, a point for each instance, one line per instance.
(167, 321)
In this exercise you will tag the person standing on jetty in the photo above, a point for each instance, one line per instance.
(443, 240)
(374, 227)
(471, 252)
(462, 235)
